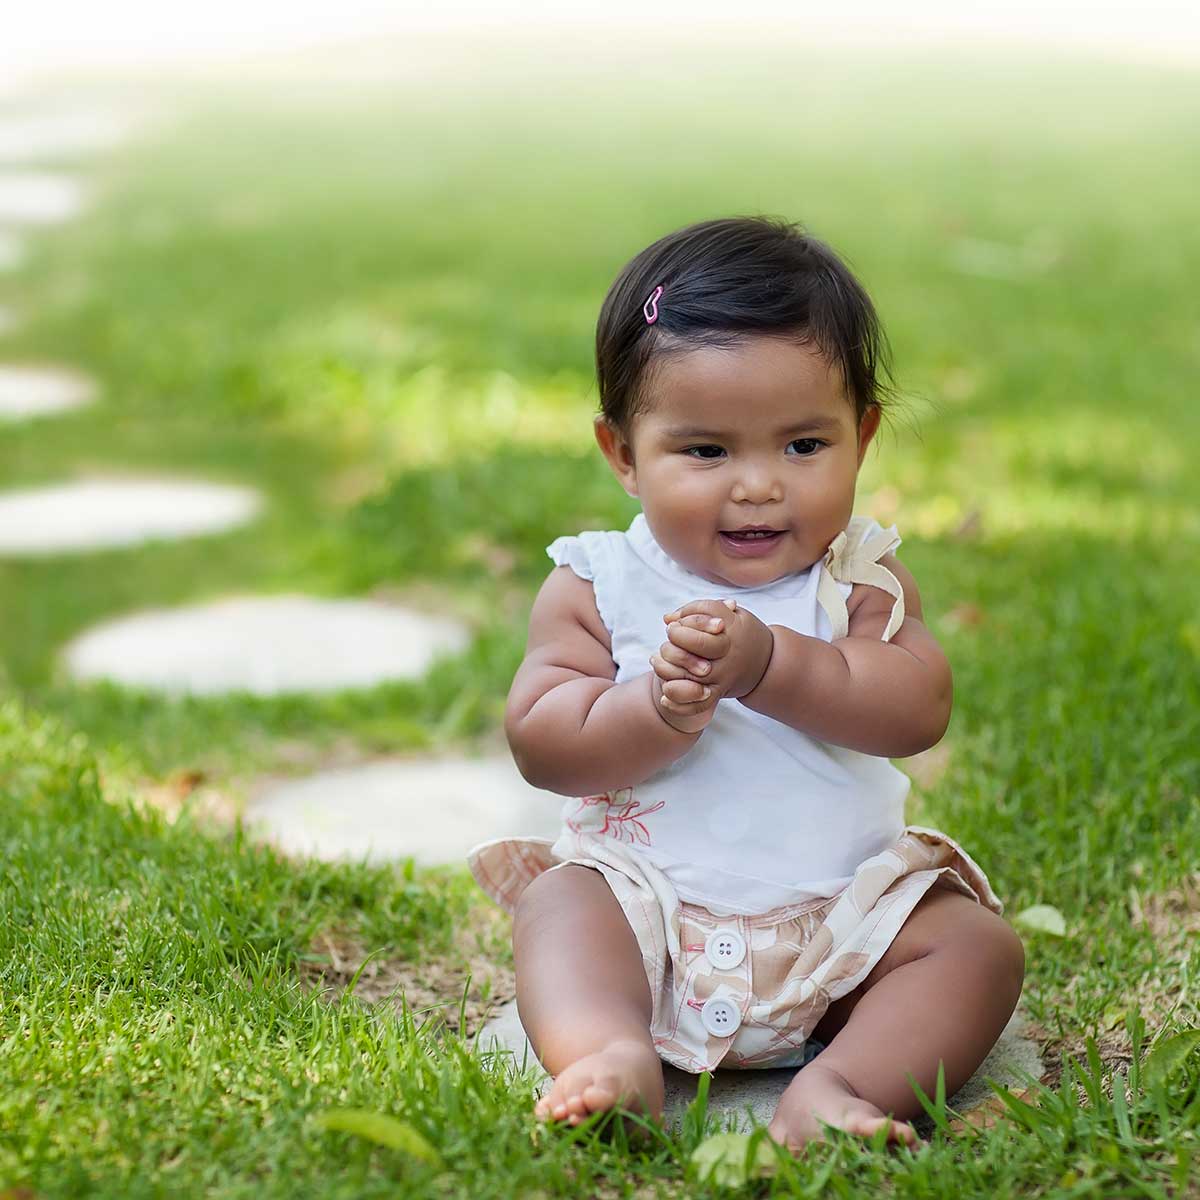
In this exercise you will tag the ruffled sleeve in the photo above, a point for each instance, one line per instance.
(591, 557)
(853, 557)
(571, 552)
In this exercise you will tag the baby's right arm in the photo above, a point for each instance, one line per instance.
(573, 729)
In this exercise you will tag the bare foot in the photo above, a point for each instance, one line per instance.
(624, 1072)
(819, 1096)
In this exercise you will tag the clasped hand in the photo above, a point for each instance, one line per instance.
(714, 650)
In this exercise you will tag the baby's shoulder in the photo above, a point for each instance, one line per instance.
(601, 557)
(565, 614)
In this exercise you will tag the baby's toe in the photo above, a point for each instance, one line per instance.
(599, 1096)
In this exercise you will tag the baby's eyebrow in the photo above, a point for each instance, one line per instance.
(812, 425)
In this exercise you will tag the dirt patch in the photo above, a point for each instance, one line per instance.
(1172, 919)
(432, 989)
(1055, 1049)
(210, 805)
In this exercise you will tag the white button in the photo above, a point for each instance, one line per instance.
(725, 949)
(720, 1017)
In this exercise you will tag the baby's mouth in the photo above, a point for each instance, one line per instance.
(752, 535)
(751, 543)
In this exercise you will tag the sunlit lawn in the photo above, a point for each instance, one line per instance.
(377, 305)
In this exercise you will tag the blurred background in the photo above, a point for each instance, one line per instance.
(297, 304)
(298, 301)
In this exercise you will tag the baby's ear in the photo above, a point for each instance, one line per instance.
(867, 428)
(618, 452)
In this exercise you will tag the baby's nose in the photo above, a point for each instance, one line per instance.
(757, 485)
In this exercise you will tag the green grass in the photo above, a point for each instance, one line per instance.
(376, 304)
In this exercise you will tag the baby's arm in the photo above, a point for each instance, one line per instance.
(887, 698)
(573, 729)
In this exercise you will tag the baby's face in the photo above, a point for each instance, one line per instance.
(759, 434)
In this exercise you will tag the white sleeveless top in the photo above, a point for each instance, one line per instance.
(756, 814)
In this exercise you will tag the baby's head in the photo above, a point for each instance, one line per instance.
(744, 393)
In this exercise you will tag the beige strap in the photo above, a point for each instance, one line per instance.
(853, 557)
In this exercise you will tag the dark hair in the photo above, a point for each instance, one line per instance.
(723, 281)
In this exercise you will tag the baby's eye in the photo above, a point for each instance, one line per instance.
(704, 457)
(807, 445)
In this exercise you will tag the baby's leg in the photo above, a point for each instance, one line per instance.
(942, 993)
(583, 997)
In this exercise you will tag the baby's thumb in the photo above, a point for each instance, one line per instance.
(730, 604)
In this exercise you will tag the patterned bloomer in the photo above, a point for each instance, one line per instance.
(747, 991)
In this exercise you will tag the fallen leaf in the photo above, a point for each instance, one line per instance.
(1042, 918)
(725, 1159)
(987, 1114)
(381, 1129)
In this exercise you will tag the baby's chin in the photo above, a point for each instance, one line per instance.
(743, 573)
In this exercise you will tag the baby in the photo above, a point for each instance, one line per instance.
(734, 884)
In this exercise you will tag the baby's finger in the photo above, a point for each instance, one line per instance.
(665, 670)
(704, 623)
(686, 691)
(713, 608)
(697, 641)
(679, 657)
(692, 709)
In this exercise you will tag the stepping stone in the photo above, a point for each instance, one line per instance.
(38, 197)
(98, 514)
(1014, 1058)
(59, 133)
(38, 391)
(434, 810)
(12, 251)
(268, 646)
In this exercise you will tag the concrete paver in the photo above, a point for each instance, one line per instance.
(265, 645)
(87, 515)
(433, 810)
(35, 391)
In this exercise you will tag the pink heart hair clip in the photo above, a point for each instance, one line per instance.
(650, 308)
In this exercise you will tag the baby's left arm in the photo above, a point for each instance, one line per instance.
(891, 699)
(887, 698)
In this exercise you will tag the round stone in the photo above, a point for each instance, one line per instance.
(96, 514)
(740, 1099)
(12, 251)
(38, 197)
(59, 133)
(433, 810)
(265, 645)
(38, 391)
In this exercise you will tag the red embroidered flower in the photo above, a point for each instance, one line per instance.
(621, 818)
